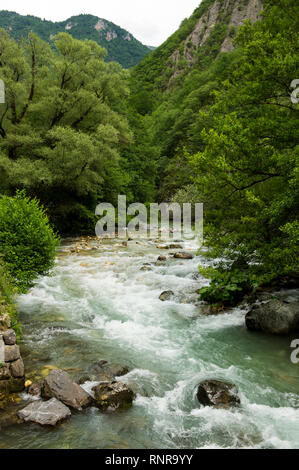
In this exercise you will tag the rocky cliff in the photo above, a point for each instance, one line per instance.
(209, 31)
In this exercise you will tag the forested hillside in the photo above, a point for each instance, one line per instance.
(121, 46)
(207, 116)
(219, 102)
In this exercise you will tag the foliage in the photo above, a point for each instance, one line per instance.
(63, 124)
(122, 47)
(247, 171)
(7, 299)
(227, 287)
(27, 241)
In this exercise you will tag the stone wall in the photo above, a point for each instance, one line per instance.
(12, 378)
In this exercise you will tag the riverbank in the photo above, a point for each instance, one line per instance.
(99, 303)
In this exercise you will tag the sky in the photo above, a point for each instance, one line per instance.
(150, 21)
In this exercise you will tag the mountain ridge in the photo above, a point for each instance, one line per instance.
(121, 45)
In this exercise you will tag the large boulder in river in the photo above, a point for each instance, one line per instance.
(274, 317)
(45, 413)
(108, 370)
(113, 395)
(183, 255)
(59, 384)
(218, 394)
(166, 295)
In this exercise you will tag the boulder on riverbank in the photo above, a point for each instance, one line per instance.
(112, 396)
(218, 394)
(59, 385)
(274, 317)
(45, 413)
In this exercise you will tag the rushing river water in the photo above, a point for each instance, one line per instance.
(98, 304)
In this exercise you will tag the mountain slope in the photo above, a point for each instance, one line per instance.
(178, 80)
(209, 31)
(122, 47)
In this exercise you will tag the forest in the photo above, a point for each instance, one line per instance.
(211, 116)
(76, 131)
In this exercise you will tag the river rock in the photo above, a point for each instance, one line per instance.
(163, 247)
(4, 372)
(175, 246)
(5, 321)
(45, 413)
(162, 258)
(274, 317)
(83, 379)
(59, 384)
(106, 371)
(166, 295)
(11, 353)
(9, 337)
(218, 394)
(113, 395)
(208, 310)
(183, 255)
(17, 368)
(35, 389)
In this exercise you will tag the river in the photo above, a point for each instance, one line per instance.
(97, 304)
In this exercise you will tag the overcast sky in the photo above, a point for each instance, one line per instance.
(150, 21)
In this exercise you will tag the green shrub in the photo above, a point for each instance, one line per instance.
(7, 299)
(227, 287)
(27, 242)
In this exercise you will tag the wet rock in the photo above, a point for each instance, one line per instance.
(146, 267)
(162, 258)
(183, 255)
(11, 353)
(113, 395)
(4, 372)
(5, 321)
(274, 317)
(163, 247)
(175, 246)
(59, 384)
(218, 394)
(45, 413)
(17, 368)
(35, 389)
(211, 310)
(83, 379)
(124, 244)
(9, 337)
(106, 369)
(166, 295)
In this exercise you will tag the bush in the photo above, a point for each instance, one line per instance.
(27, 242)
(7, 299)
(227, 288)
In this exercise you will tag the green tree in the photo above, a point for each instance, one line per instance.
(63, 124)
(27, 241)
(248, 170)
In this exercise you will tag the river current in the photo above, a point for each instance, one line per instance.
(98, 304)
